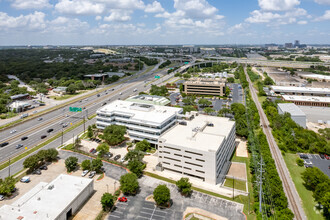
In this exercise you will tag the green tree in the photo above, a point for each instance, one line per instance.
(129, 183)
(312, 177)
(134, 155)
(268, 81)
(230, 80)
(204, 102)
(188, 108)
(86, 164)
(51, 154)
(136, 166)
(90, 133)
(300, 162)
(208, 110)
(107, 201)
(42, 155)
(143, 146)
(71, 163)
(158, 90)
(103, 149)
(227, 91)
(7, 185)
(184, 186)
(189, 100)
(320, 190)
(71, 89)
(32, 162)
(96, 164)
(162, 195)
(114, 134)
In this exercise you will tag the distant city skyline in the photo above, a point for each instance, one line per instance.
(165, 22)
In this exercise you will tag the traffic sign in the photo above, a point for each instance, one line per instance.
(75, 109)
(71, 123)
(186, 62)
(157, 77)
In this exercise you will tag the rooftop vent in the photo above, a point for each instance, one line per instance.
(50, 187)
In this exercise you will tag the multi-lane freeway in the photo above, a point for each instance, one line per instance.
(34, 129)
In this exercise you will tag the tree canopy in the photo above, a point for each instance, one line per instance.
(136, 166)
(107, 201)
(162, 195)
(129, 183)
(103, 149)
(114, 134)
(184, 186)
(143, 146)
(71, 163)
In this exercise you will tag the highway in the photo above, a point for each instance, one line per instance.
(288, 186)
(34, 129)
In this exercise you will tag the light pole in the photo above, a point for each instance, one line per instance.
(107, 188)
(9, 168)
(62, 137)
(114, 185)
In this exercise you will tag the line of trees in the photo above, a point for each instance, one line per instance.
(34, 161)
(164, 64)
(148, 61)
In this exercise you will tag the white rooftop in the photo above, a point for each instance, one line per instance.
(291, 108)
(300, 89)
(318, 76)
(43, 203)
(145, 113)
(197, 135)
(149, 99)
(306, 98)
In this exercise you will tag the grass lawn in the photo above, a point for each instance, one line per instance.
(305, 195)
(239, 184)
(64, 96)
(262, 99)
(8, 115)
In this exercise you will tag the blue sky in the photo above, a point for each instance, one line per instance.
(113, 22)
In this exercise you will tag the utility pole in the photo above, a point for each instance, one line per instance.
(259, 181)
(9, 168)
(62, 137)
(233, 187)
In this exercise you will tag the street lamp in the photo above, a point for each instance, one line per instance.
(114, 186)
(107, 188)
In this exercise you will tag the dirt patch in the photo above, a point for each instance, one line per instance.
(238, 170)
(241, 150)
(202, 213)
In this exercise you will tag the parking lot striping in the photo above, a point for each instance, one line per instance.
(116, 216)
(142, 217)
(152, 214)
(118, 211)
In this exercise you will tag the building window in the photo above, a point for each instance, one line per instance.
(160, 157)
(172, 148)
(178, 155)
(187, 168)
(166, 163)
(200, 171)
(187, 157)
(166, 152)
(177, 165)
(190, 152)
(200, 160)
(172, 159)
(198, 165)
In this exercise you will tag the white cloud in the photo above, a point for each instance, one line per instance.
(119, 15)
(30, 4)
(79, 7)
(200, 9)
(262, 17)
(323, 2)
(66, 25)
(122, 4)
(155, 7)
(278, 5)
(324, 17)
(302, 22)
(30, 22)
(98, 18)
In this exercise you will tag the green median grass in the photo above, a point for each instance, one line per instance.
(239, 184)
(306, 196)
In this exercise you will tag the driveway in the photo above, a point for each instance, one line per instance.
(322, 164)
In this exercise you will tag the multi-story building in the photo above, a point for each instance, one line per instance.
(205, 86)
(199, 148)
(149, 99)
(297, 115)
(143, 121)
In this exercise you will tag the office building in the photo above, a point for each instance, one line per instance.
(288, 45)
(143, 121)
(59, 199)
(199, 148)
(205, 86)
(303, 91)
(296, 114)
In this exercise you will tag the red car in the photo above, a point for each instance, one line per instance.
(122, 199)
(327, 157)
(91, 150)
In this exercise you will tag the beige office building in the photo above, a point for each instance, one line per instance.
(205, 86)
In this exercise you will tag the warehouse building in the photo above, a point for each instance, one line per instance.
(296, 114)
(205, 86)
(149, 99)
(143, 121)
(59, 199)
(307, 100)
(199, 148)
(304, 91)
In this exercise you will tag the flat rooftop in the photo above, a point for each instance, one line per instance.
(306, 98)
(44, 203)
(300, 89)
(198, 135)
(144, 113)
(206, 81)
(149, 99)
(291, 108)
(317, 76)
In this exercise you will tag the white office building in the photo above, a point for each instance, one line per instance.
(59, 199)
(296, 113)
(143, 121)
(198, 148)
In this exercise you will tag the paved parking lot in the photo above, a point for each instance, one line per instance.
(138, 208)
(322, 164)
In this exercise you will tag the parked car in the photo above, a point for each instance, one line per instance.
(37, 171)
(309, 166)
(4, 144)
(308, 162)
(120, 93)
(92, 174)
(43, 167)
(327, 157)
(94, 151)
(12, 131)
(24, 138)
(39, 119)
(25, 179)
(98, 140)
(117, 157)
(43, 136)
(84, 172)
(50, 130)
(108, 155)
(122, 199)
(123, 160)
(322, 156)
(303, 156)
(98, 95)
(18, 146)
(2, 197)
(104, 104)
(91, 150)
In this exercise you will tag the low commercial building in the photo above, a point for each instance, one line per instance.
(59, 199)
(307, 100)
(199, 148)
(296, 114)
(318, 77)
(143, 121)
(149, 99)
(304, 91)
(20, 96)
(204, 86)
(60, 89)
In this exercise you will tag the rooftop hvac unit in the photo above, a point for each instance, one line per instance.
(50, 187)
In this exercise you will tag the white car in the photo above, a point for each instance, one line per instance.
(2, 197)
(12, 131)
(84, 172)
(308, 162)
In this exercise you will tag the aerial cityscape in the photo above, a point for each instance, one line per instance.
(164, 109)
